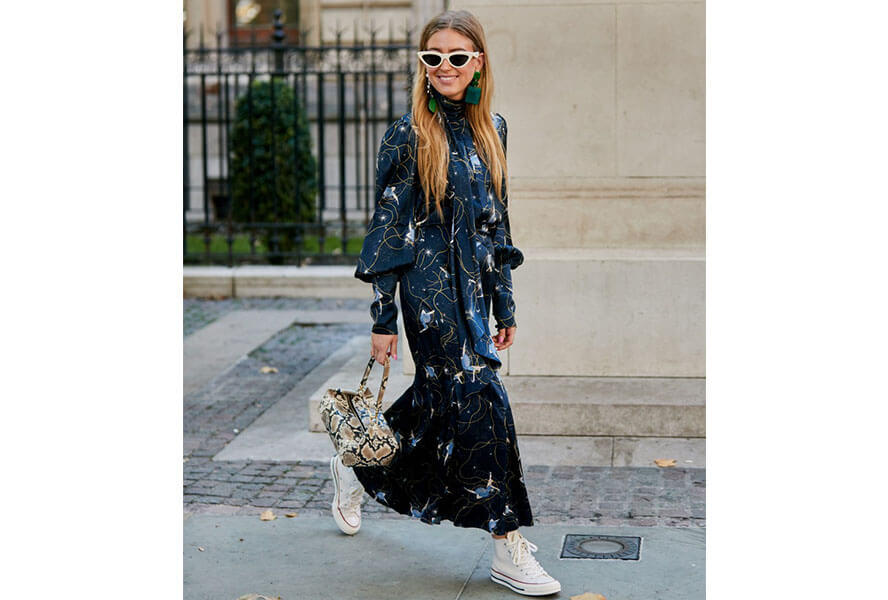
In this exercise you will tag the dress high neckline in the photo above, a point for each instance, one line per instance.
(453, 109)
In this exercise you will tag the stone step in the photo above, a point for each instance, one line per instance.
(265, 280)
(569, 406)
(616, 406)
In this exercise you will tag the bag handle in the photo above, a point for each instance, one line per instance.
(385, 376)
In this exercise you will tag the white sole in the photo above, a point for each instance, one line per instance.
(343, 525)
(552, 588)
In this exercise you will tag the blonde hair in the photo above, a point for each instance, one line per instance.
(433, 153)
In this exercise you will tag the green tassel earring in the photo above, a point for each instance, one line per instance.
(473, 92)
(433, 106)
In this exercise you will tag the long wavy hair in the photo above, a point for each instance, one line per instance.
(433, 153)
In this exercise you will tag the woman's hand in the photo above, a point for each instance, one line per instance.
(382, 345)
(504, 338)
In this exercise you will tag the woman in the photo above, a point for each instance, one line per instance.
(441, 229)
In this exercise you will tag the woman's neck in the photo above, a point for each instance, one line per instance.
(451, 108)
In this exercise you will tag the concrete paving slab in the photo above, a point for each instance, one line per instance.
(641, 452)
(671, 565)
(308, 557)
(211, 350)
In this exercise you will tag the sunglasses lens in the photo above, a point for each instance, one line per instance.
(458, 60)
(431, 60)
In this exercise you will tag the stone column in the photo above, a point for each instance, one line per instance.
(606, 114)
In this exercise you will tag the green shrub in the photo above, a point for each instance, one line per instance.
(284, 171)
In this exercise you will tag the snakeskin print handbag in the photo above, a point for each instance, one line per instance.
(358, 429)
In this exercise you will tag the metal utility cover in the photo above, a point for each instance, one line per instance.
(601, 546)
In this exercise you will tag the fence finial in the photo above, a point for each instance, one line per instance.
(278, 40)
(279, 34)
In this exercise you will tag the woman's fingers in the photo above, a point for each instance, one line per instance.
(382, 345)
(504, 338)
(376, 346)
(510, 337)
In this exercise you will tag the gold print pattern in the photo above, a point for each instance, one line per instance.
(458, 458)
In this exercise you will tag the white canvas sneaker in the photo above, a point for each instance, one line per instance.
(347, 495)
(515, 567)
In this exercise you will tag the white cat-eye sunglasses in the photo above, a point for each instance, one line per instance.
(458, 59)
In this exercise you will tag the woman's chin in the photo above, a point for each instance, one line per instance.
(452, 94)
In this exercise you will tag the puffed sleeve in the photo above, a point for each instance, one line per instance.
(506, 256)
(388, 249)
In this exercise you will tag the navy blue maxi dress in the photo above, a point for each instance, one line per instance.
(458, 454)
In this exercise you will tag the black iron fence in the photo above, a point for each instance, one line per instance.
(280, 143)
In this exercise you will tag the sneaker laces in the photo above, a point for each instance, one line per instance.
(353, 489)
(522, 557)
(354, 494)
(350, 488)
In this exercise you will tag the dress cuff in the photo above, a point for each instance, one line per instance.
(508, 321)
(386, 330)
(383, 309)
(509, 255)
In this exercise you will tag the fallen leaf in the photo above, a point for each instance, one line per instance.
(291, 515)
(200, 548)
(665, 462)
(588, 596)
(267, 369)
(268, 515)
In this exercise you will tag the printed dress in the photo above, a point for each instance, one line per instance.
(458, 454)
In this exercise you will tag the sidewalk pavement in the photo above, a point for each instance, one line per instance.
(230, 476)
(227, 557)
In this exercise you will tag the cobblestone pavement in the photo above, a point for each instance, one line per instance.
(591, 495)
(214, 415)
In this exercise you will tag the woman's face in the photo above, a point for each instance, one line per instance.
(450, 81)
